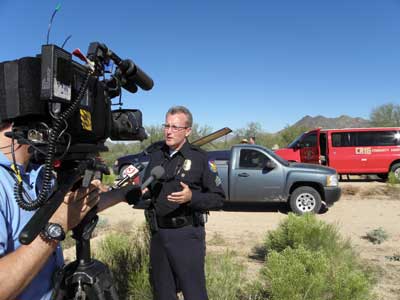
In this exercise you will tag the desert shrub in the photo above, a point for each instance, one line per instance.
(350, 190)
(394, 257)
(109, 179)
(216, 240)
(392, 191)
(392, 179)
(253, 290)
(101, 227)
(377, 236)
(224, 276)
(308, 259)
(305, 274)
(68, 242)
(295, 274)
(309, 232)
(127, 256)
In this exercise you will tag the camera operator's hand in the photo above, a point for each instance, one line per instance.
(76, 205)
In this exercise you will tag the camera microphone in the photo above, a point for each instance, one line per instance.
(155, 174)
(130, 173)
(133, 75)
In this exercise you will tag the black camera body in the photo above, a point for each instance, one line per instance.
(52, 95)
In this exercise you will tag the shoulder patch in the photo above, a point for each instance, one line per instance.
(217, 181)
(212, 166)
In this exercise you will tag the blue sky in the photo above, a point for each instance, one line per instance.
(232, 62)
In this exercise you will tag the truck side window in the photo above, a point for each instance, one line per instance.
(252, 159)
(343, 139)
(377, 138)
(310, 140)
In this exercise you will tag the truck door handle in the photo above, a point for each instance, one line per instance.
(243, 175)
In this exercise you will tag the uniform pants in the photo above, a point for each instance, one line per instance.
(177, 262)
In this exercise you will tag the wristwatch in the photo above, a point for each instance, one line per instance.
(53, 232)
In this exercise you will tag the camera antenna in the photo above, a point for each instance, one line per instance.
(66, 40)
(51, 21)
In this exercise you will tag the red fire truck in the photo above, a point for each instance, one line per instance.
(349, 150)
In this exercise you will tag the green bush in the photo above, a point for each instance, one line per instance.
(305, 274)
(309, 232)
(224, 276)
(108, 179)
(127, 256)
(296, 274)
(308, 259)
(392, 179)
(377, 236)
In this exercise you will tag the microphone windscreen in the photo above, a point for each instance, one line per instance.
(157, 172)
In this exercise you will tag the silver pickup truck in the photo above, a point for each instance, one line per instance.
(252, 173)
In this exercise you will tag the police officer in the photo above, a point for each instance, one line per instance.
(180, 201)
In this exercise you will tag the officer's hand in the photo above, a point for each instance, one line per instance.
(76, 205)
(181, 197)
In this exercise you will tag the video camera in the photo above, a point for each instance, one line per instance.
(67, 100)
(63, 109)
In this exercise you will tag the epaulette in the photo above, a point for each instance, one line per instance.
(154, 147)
(197, 148)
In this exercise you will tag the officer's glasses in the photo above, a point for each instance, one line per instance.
(174, 128)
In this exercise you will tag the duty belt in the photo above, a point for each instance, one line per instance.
(174, 222)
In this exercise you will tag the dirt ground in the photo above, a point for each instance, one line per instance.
(364, 206)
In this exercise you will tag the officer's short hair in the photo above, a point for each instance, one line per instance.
(181, 109)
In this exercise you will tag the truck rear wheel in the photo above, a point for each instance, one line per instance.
(396, 170)
(305, 199)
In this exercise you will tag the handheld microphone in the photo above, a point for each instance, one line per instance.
(130, 173)
(156, 173)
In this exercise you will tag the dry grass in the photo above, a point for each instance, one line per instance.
(350, 190)
(373, 189)
(216, 240)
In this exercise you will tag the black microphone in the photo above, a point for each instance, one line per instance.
(156, 173)
(130, 173)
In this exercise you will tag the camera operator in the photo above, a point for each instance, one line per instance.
(180, 202)
(26, 270)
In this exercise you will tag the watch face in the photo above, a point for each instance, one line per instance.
(55, 231)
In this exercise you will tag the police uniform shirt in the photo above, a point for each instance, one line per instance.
(189, 165)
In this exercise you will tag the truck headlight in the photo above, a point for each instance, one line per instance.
(332, 180)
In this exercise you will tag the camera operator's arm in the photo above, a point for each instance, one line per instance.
(18, 268)
(128, 193)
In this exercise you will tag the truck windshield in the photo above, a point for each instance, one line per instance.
(277, 157)
(296, 141)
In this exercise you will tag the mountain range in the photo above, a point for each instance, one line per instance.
(330, 123)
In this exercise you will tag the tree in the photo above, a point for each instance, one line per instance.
(288, 134)
(252, 129)
(155, 133)
(199, 132)
(386, 115)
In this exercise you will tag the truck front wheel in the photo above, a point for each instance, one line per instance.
(305, 199)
